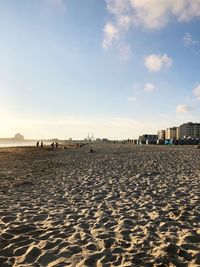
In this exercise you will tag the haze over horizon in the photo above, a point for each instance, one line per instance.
(114, 68)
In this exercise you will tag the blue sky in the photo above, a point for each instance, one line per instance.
(117, 68)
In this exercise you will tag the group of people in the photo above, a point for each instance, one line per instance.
(54, 145)
(38, 144)
(41, 144)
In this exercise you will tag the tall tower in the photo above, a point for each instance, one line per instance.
(92, 137)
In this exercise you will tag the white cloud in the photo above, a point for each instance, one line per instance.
(124, 21)
(196, 91)
(188, 41)
(114, 30)
(150, 14)
(154, 13)
(111, 33)
(117, 6)
(158, 13)
(149, 87)
(183, 108)
(157, 62)
(140, 88)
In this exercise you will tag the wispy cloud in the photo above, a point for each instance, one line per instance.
(136, 87)
(143, 88)
(111, 33)
(132, 98)
(196, 92)
(183, 108)
(148, 87)
(157, 62)
(124, 51)
(188, 40)
(61, 4)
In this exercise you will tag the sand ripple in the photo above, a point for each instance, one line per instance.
(120, 206)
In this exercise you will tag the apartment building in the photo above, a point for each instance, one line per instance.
(161, 135)
(189, 129)
(171, 133)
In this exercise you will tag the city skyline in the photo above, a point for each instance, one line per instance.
(117, 68)
(171, 132)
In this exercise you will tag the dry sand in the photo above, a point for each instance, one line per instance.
(123, 205)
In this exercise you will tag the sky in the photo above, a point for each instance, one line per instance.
(114, 68)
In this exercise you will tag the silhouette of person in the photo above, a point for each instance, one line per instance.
(37, 144)
(42, 144)
(52, 145)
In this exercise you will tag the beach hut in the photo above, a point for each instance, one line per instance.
(168, 141)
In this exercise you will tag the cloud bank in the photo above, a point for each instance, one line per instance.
(149, 14)
(78, 128)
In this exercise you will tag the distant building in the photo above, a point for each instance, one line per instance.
(148, 138)
(18, 137)
(171, 133)
(178, 133)
(161, 135)
(189, 129)
(90, 139)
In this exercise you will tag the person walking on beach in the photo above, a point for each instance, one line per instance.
(52, 145)
(42, 144)
(56, 144)
(37, 144)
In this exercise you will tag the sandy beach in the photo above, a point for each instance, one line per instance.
(122, 205)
